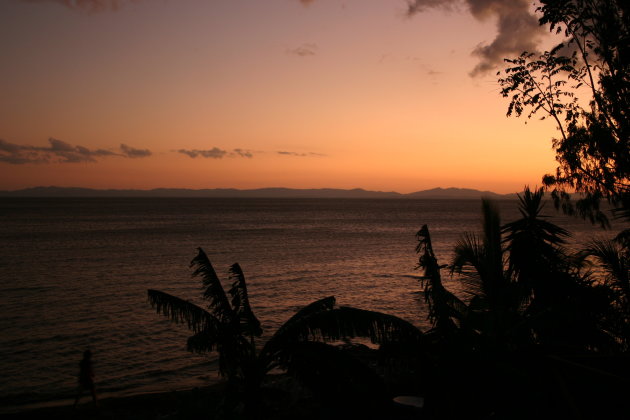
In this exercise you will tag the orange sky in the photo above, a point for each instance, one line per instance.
(333, 94)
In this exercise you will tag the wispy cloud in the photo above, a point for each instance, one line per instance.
(243, 153)
(18, 154)
(517, 28)
(216, 153)
(419, 6)
(304, 50)
(73, 154)
(87, 5)
(307, 154)
(60, 151)
(134, 153)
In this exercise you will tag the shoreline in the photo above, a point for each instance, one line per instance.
(164, 404)
(285, 400)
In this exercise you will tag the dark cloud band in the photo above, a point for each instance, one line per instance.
(134, 153)
(304, 50)
(60, 151)
(216, 153)
(307, 154)
(517, 28)
(87, 5)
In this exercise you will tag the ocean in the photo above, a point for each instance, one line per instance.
(74, 273)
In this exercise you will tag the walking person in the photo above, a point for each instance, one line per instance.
(86, 378)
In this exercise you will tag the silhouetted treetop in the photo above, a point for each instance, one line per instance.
(593, 61)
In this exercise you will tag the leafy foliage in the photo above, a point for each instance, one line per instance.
(614, 260)
(524, 288)
(533, 321)
(593, 149)
(534, 245)
(230, 327)
(214, 292)
(444, 306)
(240, 303)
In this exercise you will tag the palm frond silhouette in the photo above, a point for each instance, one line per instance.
(229, 327)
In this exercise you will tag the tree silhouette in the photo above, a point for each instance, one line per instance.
(530, 321)
(229, 327)
(614, 260)
(593, 148)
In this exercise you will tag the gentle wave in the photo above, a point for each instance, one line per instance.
(74, 274)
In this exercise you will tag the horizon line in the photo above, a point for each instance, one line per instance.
(359, 190)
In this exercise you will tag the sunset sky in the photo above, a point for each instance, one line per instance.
(379, 94)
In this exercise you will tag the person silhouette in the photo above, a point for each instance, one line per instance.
(86, 378)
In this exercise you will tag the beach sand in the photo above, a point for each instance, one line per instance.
(186, 404)
(164, 405)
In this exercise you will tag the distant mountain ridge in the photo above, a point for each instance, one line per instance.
(456, 193)
(434, 193)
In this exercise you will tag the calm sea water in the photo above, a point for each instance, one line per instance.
(74, 274)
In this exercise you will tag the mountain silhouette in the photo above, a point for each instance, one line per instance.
(434, 193)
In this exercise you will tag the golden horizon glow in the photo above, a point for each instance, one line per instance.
(325, 96)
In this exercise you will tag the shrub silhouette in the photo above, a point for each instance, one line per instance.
(533, 327)
(299, 346)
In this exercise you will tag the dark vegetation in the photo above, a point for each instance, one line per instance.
(300, 346)
(537, 333)
(536, 330)
(592, 63)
